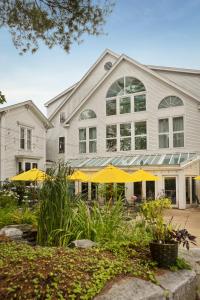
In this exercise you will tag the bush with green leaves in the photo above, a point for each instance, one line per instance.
(8, 198)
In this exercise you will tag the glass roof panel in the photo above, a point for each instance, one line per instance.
(174, 159)
(166, 159)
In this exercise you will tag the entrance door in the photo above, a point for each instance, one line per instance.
(137, 187)
(84, 190)
(190, 189)
(170, 189)
(150, 190)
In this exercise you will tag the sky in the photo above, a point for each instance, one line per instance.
(155, 32)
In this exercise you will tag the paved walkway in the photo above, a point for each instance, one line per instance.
(188, 218)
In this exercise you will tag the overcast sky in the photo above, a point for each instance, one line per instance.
(158, 32)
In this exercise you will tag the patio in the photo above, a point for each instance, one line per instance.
(189, 218)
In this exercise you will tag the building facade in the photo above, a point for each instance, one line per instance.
(23, 130)
(133, 116)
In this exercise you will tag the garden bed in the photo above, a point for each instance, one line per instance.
(62, 273)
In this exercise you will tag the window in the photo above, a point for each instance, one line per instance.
(87, 114)
(170, 188)
(122, 92)
(170, 101)
(178, 132)
(62, 117)
(111, 107)
(29, 138)
(125, 137)
(140, 136)
(22, 138)
(61, 144)
(19, 167)
(139, 103)
(27, 166)
(163, 133)
(34, 165)
(92, 140)
(25, 138)
(125, 105)
(82, 140)
(111, 138)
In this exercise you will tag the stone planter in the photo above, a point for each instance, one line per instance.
(164, 254)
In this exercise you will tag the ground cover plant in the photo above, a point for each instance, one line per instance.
(59, 273)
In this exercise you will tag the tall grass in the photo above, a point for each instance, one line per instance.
(55, 208)
(62, 220)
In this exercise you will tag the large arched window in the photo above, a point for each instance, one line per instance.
(170, 101)
(87, 114)
(125, 85)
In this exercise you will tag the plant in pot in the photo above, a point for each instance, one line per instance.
(165, 239)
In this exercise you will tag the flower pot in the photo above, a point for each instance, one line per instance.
(165, 254)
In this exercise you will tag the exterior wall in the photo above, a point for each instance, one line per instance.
(190, 82)
(10, 141)
(156, 91)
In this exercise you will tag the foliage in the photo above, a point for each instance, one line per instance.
(8, 198)
(16, 215)
(181, 264)
(2, 98)
(55, 208)
(58, 273)
(52, 22)
(182, 236)
(152, 212)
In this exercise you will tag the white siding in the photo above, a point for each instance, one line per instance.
(156, 91)
(10, 134)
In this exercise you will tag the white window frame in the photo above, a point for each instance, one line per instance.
(87, 140)
(91, 140)
(179, 131)
(112, 138)
(164, 133)
(141, 135)
(26, 148)
(125, 137)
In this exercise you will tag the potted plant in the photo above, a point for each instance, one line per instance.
(165, 239)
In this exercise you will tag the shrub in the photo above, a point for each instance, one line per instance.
(8, 199)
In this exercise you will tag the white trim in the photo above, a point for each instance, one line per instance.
(172, 69)
(107, 51)
(144, 68)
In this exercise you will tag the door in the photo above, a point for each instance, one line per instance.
(150, 190)
(170, 189)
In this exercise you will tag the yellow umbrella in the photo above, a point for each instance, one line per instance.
(78, 176)
(31, 175)
(197, 178)
(142, 175)
(111, 174)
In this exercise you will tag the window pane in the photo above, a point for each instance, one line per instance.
(164, 141)
(140, 143)
(29, 133)
(125, 105)
(163, 125)
(140, 103)
(61, 144)
(178, 124)
(125, 129)
(178, 139)
(125, 144)
(82, 134)
(22, 138)
(87, 114)
(133, 85)
(82, 147)
(111, 131)
(111, 145)
(92, 147)
(111, 107)
(27, 166)
(117, 88)
(92, 133)
(140, 128)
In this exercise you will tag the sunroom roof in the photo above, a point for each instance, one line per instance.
(134, 160)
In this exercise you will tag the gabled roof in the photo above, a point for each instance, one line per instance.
(141, 66)
(46, 104)
(107, 51)
(172, 69)
(33, 107)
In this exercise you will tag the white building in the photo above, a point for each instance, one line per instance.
(22, 138)
(131, 115)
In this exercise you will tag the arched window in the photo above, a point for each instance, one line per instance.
(87, 114)
(125, 85)
(170, 101)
